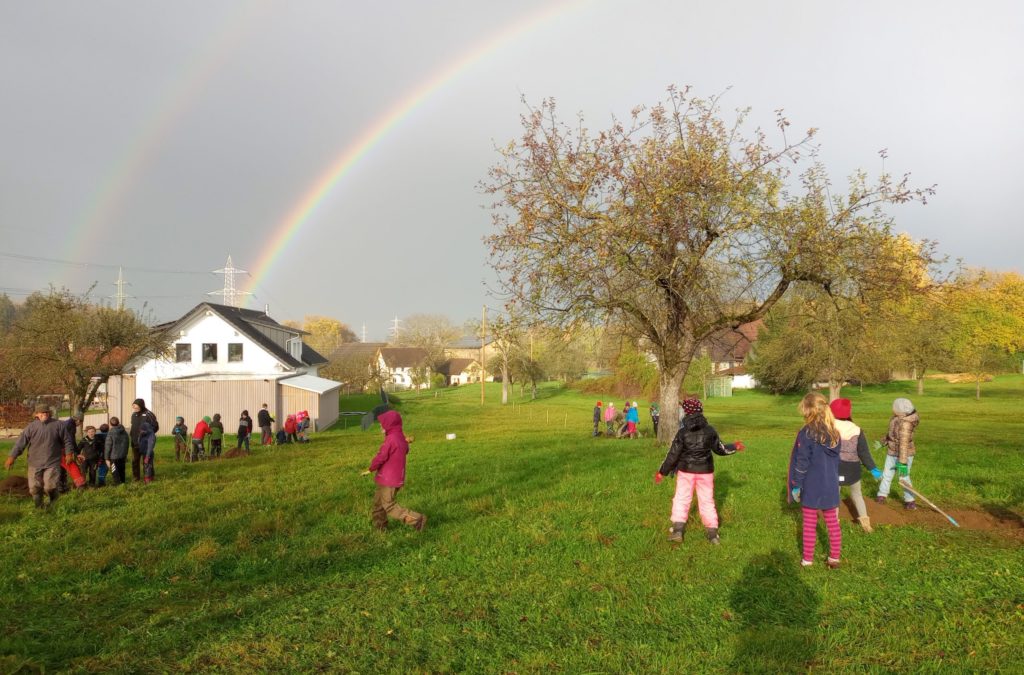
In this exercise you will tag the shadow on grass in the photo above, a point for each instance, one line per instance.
(778, 615)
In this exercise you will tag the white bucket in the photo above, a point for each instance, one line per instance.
(450, 437)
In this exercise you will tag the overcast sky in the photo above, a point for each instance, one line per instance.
(164, 136)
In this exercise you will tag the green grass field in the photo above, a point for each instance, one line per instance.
(545, 550)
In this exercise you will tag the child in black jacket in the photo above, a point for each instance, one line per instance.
(690, 458)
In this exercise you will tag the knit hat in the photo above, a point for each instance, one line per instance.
(902, 406)
(841, 408)
(692, 406)
(42, 408)
(598, 404)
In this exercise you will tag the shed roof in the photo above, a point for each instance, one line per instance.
(318, 385)
(456, 366)
(733, 344)
(470, 342)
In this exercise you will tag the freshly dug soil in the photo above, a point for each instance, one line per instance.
(14, 486)
(235, 452)
(893, 513)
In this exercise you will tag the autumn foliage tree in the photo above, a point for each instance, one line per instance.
(680, 223)
(67, 339)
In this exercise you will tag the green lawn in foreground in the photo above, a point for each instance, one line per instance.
(545, 550)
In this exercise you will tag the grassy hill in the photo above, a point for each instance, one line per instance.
(545, 549)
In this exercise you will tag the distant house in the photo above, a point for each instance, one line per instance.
(729, 349)
(472, 347)
(460, 371)
(406, 367)
(224, 360)
(356, 363)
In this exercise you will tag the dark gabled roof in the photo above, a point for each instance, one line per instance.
(404, 357)
(245, 320)
(311, 356)
(361, 350)
(733, 344)
(469, 342)
(456, 366)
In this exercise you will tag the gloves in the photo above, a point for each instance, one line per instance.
(739, 446)
(658, 478)
(902, 469)
(796, 494)
(365, 473)
(876, 473)
(8, 463)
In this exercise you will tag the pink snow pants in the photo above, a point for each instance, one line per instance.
(705, 486)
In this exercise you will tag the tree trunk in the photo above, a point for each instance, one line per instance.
(668, 397)
(834, 390)
(977, 389)
(504, 382)
(920, 384)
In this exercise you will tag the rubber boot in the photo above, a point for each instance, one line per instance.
(865, 523)
(38, 499)
(677, 531)
(713, 536)
(52, 494)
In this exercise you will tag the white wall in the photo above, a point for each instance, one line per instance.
(207, 327)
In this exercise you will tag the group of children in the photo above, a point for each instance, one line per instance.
(827, 456)
(102, 454)
(192, 447)
(624, 423)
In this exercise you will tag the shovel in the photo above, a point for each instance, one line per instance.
(905, 484)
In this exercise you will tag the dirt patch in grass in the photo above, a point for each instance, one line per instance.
(14, 486)
(893, 513)
(236, 452)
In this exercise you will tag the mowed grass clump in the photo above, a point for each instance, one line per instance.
(545, 549)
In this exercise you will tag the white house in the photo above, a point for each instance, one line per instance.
(225, 360)
(460, 371)
(405, 367)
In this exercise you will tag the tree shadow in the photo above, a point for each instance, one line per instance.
(777, 613)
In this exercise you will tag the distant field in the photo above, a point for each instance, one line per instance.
(545, 550)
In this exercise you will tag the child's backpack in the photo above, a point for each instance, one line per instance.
(282, 437)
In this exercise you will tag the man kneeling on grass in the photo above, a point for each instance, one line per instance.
(390, 467)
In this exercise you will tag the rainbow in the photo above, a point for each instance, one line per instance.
(151, 135)
(322, 187)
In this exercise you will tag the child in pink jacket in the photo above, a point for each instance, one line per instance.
(389, 463)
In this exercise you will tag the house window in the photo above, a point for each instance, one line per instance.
(182, 352)
(209, 352)
(234, 352)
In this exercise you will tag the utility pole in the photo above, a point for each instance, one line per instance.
(232, 296)
(483, 364)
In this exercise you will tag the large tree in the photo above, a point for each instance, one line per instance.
(680, 223)
(70, 340)
(430, 332)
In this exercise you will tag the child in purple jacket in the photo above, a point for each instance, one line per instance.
(814, 476)
(389, 463)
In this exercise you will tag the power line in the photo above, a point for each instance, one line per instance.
(57, 261)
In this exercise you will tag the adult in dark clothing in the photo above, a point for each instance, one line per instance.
(690, 459)
(116, 450)
(265, 422)
(48, 443)
(140, 414)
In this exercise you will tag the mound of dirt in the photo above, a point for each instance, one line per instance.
(893, 513)
(14, 486)
(236, 452)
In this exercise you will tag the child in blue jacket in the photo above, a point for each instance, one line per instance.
(814, 476)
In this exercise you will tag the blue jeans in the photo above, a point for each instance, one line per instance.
(887, 475)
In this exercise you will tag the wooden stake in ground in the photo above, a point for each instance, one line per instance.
(912, 490)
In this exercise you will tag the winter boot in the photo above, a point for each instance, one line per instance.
(676, 533)
(909, 506)
(52, 494)
(865, 523)
(713, 536)
(38, 499)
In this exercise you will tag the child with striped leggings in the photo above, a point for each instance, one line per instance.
(814, 476)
